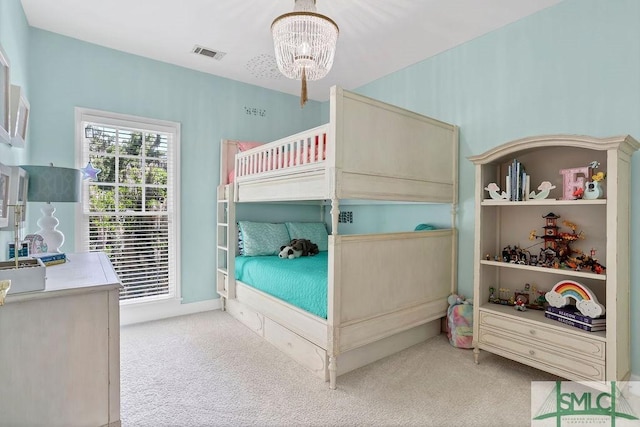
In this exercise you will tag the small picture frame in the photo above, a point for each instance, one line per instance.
(5, 87)
(20, 110)
(5, 182)
(17, 196)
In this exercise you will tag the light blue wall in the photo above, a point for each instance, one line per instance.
(573, 68)
(66, 73)
(14, 38)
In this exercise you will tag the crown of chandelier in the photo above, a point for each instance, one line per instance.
(305, 43)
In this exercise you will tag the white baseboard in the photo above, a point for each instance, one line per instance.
(634, 385)
(146, 312)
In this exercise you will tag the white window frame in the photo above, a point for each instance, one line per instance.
(142, 309)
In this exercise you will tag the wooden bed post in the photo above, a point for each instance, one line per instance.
(333, 371)
(335, 214)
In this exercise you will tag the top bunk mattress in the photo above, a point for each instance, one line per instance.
(301, 282)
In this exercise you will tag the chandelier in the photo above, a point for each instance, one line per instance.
(305, 43)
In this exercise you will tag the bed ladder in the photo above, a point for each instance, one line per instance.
(226, 242)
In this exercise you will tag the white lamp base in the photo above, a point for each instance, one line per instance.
(48, 223)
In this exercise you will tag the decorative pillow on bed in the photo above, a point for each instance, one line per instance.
(262, 238)
(314, 231)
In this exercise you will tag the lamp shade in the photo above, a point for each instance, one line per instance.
(53, 184)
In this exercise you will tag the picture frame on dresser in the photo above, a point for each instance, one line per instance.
(17, 196)
(20, 110)
(5, 88)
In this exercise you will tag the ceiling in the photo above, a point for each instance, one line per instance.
(377, 37)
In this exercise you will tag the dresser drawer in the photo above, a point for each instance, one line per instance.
(528, 352)
(304, 352)
(574, 344)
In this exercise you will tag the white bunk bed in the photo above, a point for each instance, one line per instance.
(387, 291)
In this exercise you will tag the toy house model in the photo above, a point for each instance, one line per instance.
(551, 231)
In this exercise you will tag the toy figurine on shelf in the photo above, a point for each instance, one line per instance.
(515, 255)
(494, 192)
(545, 188)
(520, 304)
(585, 262)
(593, 188)
(492, 296)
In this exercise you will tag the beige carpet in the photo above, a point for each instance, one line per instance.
(208, 369)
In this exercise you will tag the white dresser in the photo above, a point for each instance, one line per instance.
(60, 348)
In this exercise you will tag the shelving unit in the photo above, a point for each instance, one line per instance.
(529, 337)
(227, 233)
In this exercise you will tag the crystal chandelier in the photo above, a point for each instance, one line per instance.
(305, 43)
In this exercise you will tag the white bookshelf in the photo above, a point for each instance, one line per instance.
(529, 337)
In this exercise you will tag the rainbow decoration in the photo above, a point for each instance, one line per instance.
(586, 301)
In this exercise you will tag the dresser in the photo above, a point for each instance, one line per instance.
(60, 348)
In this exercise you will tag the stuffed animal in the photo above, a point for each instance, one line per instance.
(297, 248)
(289, 252)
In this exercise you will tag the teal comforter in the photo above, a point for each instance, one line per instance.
(301, 282)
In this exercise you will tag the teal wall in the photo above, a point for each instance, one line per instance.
(14, 38)
(573, 68)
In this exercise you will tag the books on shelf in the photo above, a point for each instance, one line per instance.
(571, 312)
(51, 258)
(517, 182)
(576, 324)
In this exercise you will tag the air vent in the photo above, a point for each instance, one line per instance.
(208, 52)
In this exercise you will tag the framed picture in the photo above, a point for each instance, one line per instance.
(4, 98)
(17, 200)
(19, 109)
(5, 181)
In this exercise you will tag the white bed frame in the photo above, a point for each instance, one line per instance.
(387, 291)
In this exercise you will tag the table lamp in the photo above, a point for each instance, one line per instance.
(52, 184)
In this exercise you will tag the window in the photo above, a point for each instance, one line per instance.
(130, 209)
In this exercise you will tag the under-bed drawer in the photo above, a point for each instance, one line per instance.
(304, 352)
(252, 319)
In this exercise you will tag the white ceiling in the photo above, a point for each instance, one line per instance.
(377, 37)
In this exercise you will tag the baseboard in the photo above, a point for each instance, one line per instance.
(634, 385)
(146, 312)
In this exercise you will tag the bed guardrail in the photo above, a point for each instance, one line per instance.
(290, 153)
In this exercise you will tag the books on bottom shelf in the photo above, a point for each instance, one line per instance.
(571, 312)
(575, 323)
(51, 258)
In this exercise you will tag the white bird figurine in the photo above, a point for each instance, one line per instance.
(544, 188)
(494, 192)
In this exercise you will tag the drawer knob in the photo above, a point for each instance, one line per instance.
(532, 331)
(531, 352)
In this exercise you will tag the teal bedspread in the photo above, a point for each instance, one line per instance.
(301, 282)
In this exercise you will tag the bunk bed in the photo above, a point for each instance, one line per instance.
(385, 292)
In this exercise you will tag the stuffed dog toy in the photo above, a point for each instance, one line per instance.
(297, 248)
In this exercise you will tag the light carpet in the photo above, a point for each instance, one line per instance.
(208, 369)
